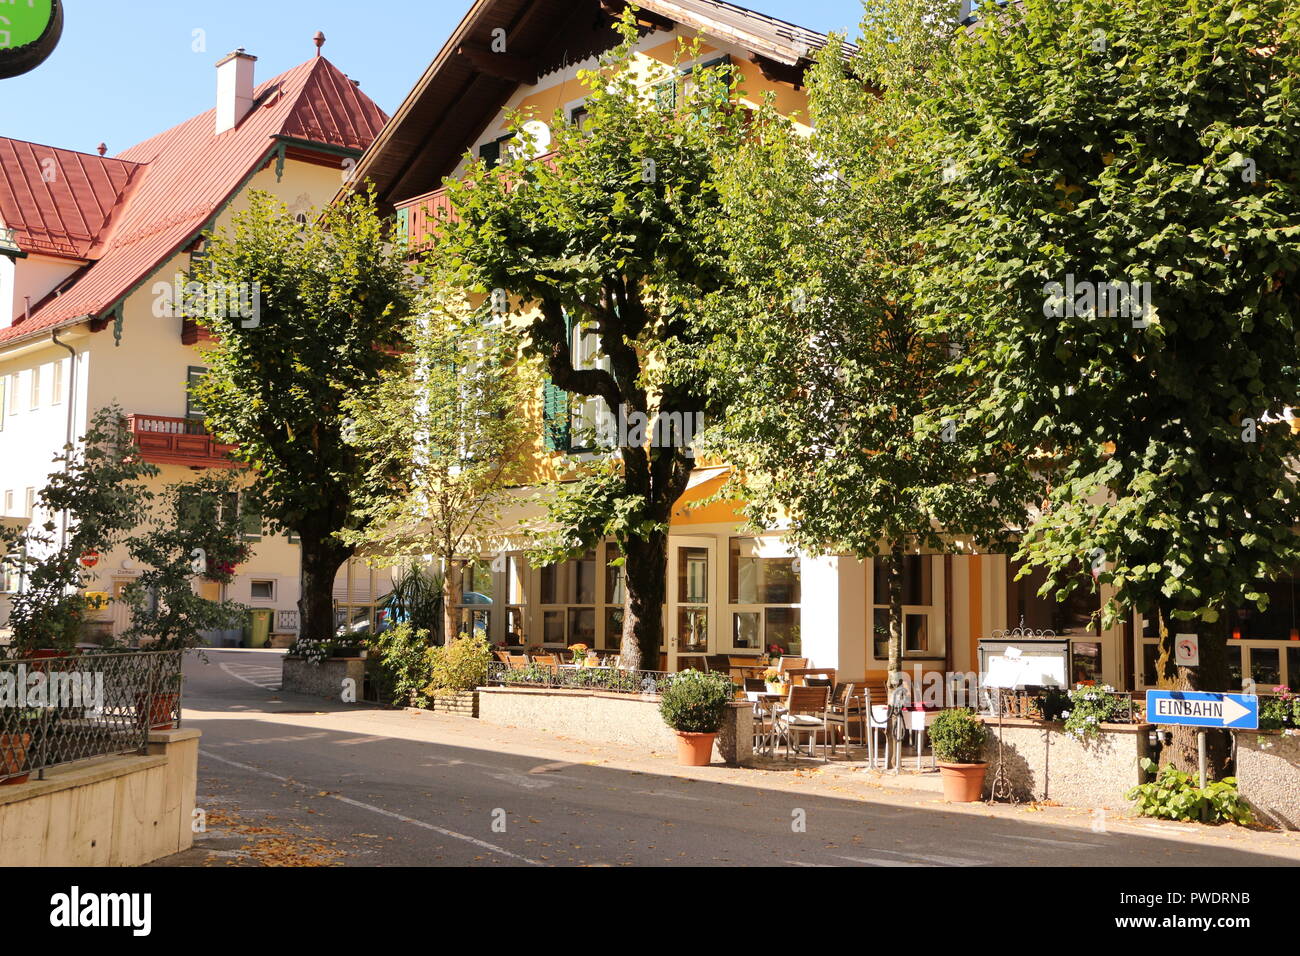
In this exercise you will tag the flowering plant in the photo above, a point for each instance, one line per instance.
(1091, 706)
(579, 652)
(773, 676)
(1281, 712)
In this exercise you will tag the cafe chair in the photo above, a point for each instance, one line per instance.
(805, 713)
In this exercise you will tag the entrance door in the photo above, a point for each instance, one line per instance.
(691, 600)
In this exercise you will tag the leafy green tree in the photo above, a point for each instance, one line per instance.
(834, 389)
(191, 531)
(617, 233)
(90, 504)
(1121, 234)
(330, 299)
(445, 440)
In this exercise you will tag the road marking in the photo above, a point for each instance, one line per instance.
(482, 844)
(266, 673)
(873, 861)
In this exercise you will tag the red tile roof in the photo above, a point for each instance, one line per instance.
(183, 178)
(57, 201)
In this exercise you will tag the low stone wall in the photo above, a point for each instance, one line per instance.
(107, 811)
(627, 719)
(324, 679)
(463, 703)
(1268, 776)
(1042, 762)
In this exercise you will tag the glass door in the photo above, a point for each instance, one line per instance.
(690, 597)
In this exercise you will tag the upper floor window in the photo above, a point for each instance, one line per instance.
(34, 396)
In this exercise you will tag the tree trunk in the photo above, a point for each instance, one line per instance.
(322, 556)
(450, 625)
(645, 574)
(895, 615)
(1212, 674)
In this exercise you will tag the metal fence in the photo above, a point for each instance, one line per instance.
(54, 710)
(609, 679)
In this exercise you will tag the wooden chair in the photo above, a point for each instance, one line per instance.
(799, 676)
(517, 660)
(503, 656)
(547, 662)
(718, 662)
(846, 707)
(786, 663)
(805, 713)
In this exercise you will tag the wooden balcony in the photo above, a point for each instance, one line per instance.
(179, 441)
(193, 334)
(422, 216)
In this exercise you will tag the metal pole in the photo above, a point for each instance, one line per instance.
(1203, 759)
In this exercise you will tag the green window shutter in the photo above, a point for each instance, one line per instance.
(556, 435)
(193, 407)
(666, 95)
(404, 224)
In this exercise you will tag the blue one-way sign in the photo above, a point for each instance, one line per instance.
(1195, 708)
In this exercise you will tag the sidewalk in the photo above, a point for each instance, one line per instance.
(845, 780)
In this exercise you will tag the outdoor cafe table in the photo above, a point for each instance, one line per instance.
(918, 722)
(772, 704)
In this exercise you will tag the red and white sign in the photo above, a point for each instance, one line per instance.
(90, 559)
(1187, 650)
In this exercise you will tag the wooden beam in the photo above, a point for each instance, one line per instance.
(780, 72)
(505, 66)
(645, 18)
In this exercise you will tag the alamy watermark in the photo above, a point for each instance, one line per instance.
(1110, 299)
(25, 690)
(633, 429)
(193, 300)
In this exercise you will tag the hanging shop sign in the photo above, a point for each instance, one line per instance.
(29, 32)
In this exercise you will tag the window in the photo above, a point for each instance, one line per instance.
(4, 398)
(763, 593)
(251, 521)
(615, 596)
(13, 394)
(516, 600)
(262, 590)
(568, 599)
(578, 117)
(29, 505)
(923, 637)
(9, 502)
(591, 417)
(494, 152)
(665, 95)
(477, 597)
(56, 383)
(193, 407)
(1075, 616)
(34, 397)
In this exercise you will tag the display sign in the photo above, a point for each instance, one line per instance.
(29, 32)
(1195, 708)
(1187, 650)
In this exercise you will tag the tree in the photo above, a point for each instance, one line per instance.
(330, 301)
(1120, 233)
(445, 439)
(616, 233)
(192, 530)
(99, 490)
(835, 391)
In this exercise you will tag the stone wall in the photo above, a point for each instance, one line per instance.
(1268, 776)
(463, 703)
(1043, 762)
(324, 679)
(632, 720)
(107, 811)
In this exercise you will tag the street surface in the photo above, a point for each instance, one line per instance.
(293, 780)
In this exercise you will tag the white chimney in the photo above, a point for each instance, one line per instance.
(234, 88)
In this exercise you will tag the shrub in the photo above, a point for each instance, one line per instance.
(1281, 712)
(957, 736)
(1174, 795)
(461, 665)
(403, 660)
(695, 702)
(1090, 707)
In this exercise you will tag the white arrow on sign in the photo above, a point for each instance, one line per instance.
(1233, 711)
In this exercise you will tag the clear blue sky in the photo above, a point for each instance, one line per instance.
(125, 69)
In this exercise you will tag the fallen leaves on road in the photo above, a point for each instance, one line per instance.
(272, 845)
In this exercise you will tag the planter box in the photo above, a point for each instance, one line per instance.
(463, 703)
(599, 717)
(324, 679)
(1268, 775)
(1042, 762)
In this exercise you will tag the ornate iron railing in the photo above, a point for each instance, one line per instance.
(609, 679)
(54, 710)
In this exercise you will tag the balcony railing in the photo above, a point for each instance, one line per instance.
(179, 441)
(425, 214)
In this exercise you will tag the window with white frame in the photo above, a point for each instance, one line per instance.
(34, 393)
(29, 503)
(262, 590)
(614, 596)
(923, 637)
(56, 383)
(13, 394)
(591, 416)
(567, 602)
(475, 598)
(764, 597)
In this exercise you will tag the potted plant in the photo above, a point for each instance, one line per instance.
(957, 736)
(579, 652)
(774, 680)
(693, 704)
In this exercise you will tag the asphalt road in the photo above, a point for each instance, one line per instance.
(281, 788)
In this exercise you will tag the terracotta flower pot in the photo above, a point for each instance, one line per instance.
(13, 756)
(962, 782)
(157, 709)
(694, 750)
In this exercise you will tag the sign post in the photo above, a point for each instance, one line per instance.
(1202, 709)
